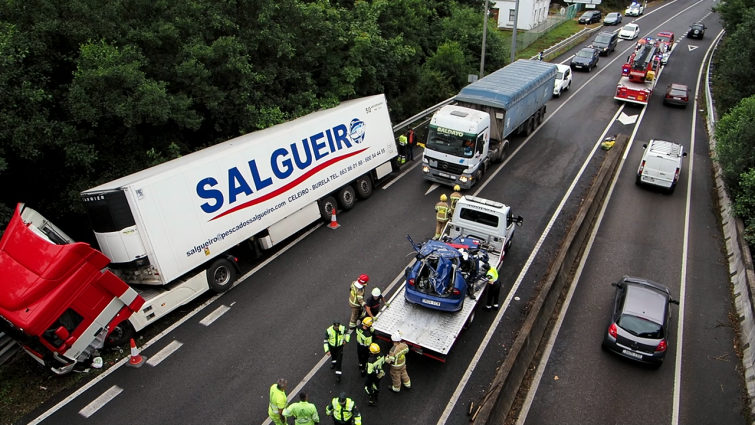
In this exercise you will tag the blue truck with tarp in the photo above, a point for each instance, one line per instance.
(467, 137)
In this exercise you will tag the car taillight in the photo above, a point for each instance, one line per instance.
(668, 96)
(411, 282)
(661, 346)
(642, 167)
(685, 98)
(456, 292)
(612, 330)
(676, 176)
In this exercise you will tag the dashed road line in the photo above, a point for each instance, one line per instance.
(91, 408)
(164, 353)
(207, 321)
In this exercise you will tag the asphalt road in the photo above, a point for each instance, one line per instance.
(276, 318)
(643, 234)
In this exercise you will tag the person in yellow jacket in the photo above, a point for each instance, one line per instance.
(494, 287)
(402, 148)
(304, 412)
(344, 411)
(397, 359)
(335, 338)
(455, 196)
(441, 215)
(365, 332)
(277, 402)
(356, 299)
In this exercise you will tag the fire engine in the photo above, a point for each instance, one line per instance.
(640, 74)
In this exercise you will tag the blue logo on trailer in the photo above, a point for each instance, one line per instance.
(357, 130)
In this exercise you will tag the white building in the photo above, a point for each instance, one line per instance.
(531, 13)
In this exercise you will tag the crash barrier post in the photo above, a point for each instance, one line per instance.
(136, 360)
(509, 377)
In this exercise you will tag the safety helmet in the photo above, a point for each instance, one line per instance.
(363, 279)
(367, 321)
(396, 338)
(374, 348)
(457, 188)
(443, 197)
(376, 292)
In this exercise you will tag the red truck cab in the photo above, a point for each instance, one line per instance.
(58, 300)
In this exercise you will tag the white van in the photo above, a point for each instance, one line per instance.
(661, 164)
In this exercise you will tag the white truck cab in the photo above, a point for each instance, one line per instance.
(661, 164)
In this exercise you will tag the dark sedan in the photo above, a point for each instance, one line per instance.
(613, 18)
(696, 31)
(639, 326)
(590, 16)
(586, 58)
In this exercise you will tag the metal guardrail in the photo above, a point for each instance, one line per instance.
(568, 43)
(8, 348)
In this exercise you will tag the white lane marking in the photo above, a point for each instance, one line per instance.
(557, 327)
(207, 321)
(417, 162)
(162, 334)
(91, 408)
(491, 330)
(164, 353)
(432, 187)
(685, 247)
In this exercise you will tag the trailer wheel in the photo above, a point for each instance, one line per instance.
(469, 321)
(120, 335)
(503, 153)
(346, 197)
(327, 205)
(527, 127)
(364, 187)
(221, 275)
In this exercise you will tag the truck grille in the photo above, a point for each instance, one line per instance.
(449, 167)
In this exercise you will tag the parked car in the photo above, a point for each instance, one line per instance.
(605, 42)
(591, 16)
(634, 9)
(563, 80)
(677, 94)
(661, 164)
(613, 18)
(586, 58)
(629, 32)
(696, 30)
(639, 325)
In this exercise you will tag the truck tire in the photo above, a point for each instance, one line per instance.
(120, 335)
(221, 275)
(503, 152)
(526, 127)
(346, 197)
(327, 205)
(364, 187)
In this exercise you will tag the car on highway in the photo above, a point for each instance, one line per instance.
(435, 280)
(634, 9)
(605, 42)
(676, 94)
(587, 58)
(640, 319)
(696, 30)
(590, 17)
(661, 164)
(563, 79)
(613, 18)
(629, 32)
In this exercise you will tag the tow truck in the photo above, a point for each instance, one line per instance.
(482, 226)
(640, 74)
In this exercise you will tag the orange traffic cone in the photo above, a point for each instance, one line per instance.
(333, 223)
(136, 360)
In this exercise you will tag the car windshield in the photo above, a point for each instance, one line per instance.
(697, 27)
(584, 54)
(587, 15)
(450, 144)
(560, 75)
(603, 39)
(639, 327)
(664, 38)
(612, 15)
(630, 28)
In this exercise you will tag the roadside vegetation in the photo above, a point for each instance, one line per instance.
(734, 91)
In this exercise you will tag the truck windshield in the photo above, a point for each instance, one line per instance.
(450, 144)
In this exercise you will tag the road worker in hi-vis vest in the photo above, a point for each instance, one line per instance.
(277, 402)
(335, 338)
(344, 411)
(441, 215)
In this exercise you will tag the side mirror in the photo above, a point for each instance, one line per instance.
(684, 153)
(673, 301)
(519, 221)
(62, 333)
(617, 284)
(644, 146)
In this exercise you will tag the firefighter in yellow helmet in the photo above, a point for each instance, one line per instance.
(365, 333)
(441, 215)
(374, 373)
(455, 196)
(397, 359)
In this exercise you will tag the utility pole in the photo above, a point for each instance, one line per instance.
(513, 36)
(484, 39)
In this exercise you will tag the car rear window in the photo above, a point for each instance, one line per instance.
(640, 327)
(678, 92)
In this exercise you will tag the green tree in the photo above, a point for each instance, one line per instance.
(744, 204)
(735, 147)
(735, 71)
(733, 13)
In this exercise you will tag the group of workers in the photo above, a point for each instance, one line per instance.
(343, 409)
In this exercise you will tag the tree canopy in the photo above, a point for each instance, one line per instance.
(94, 90)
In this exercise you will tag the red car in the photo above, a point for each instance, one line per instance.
(677, 94)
